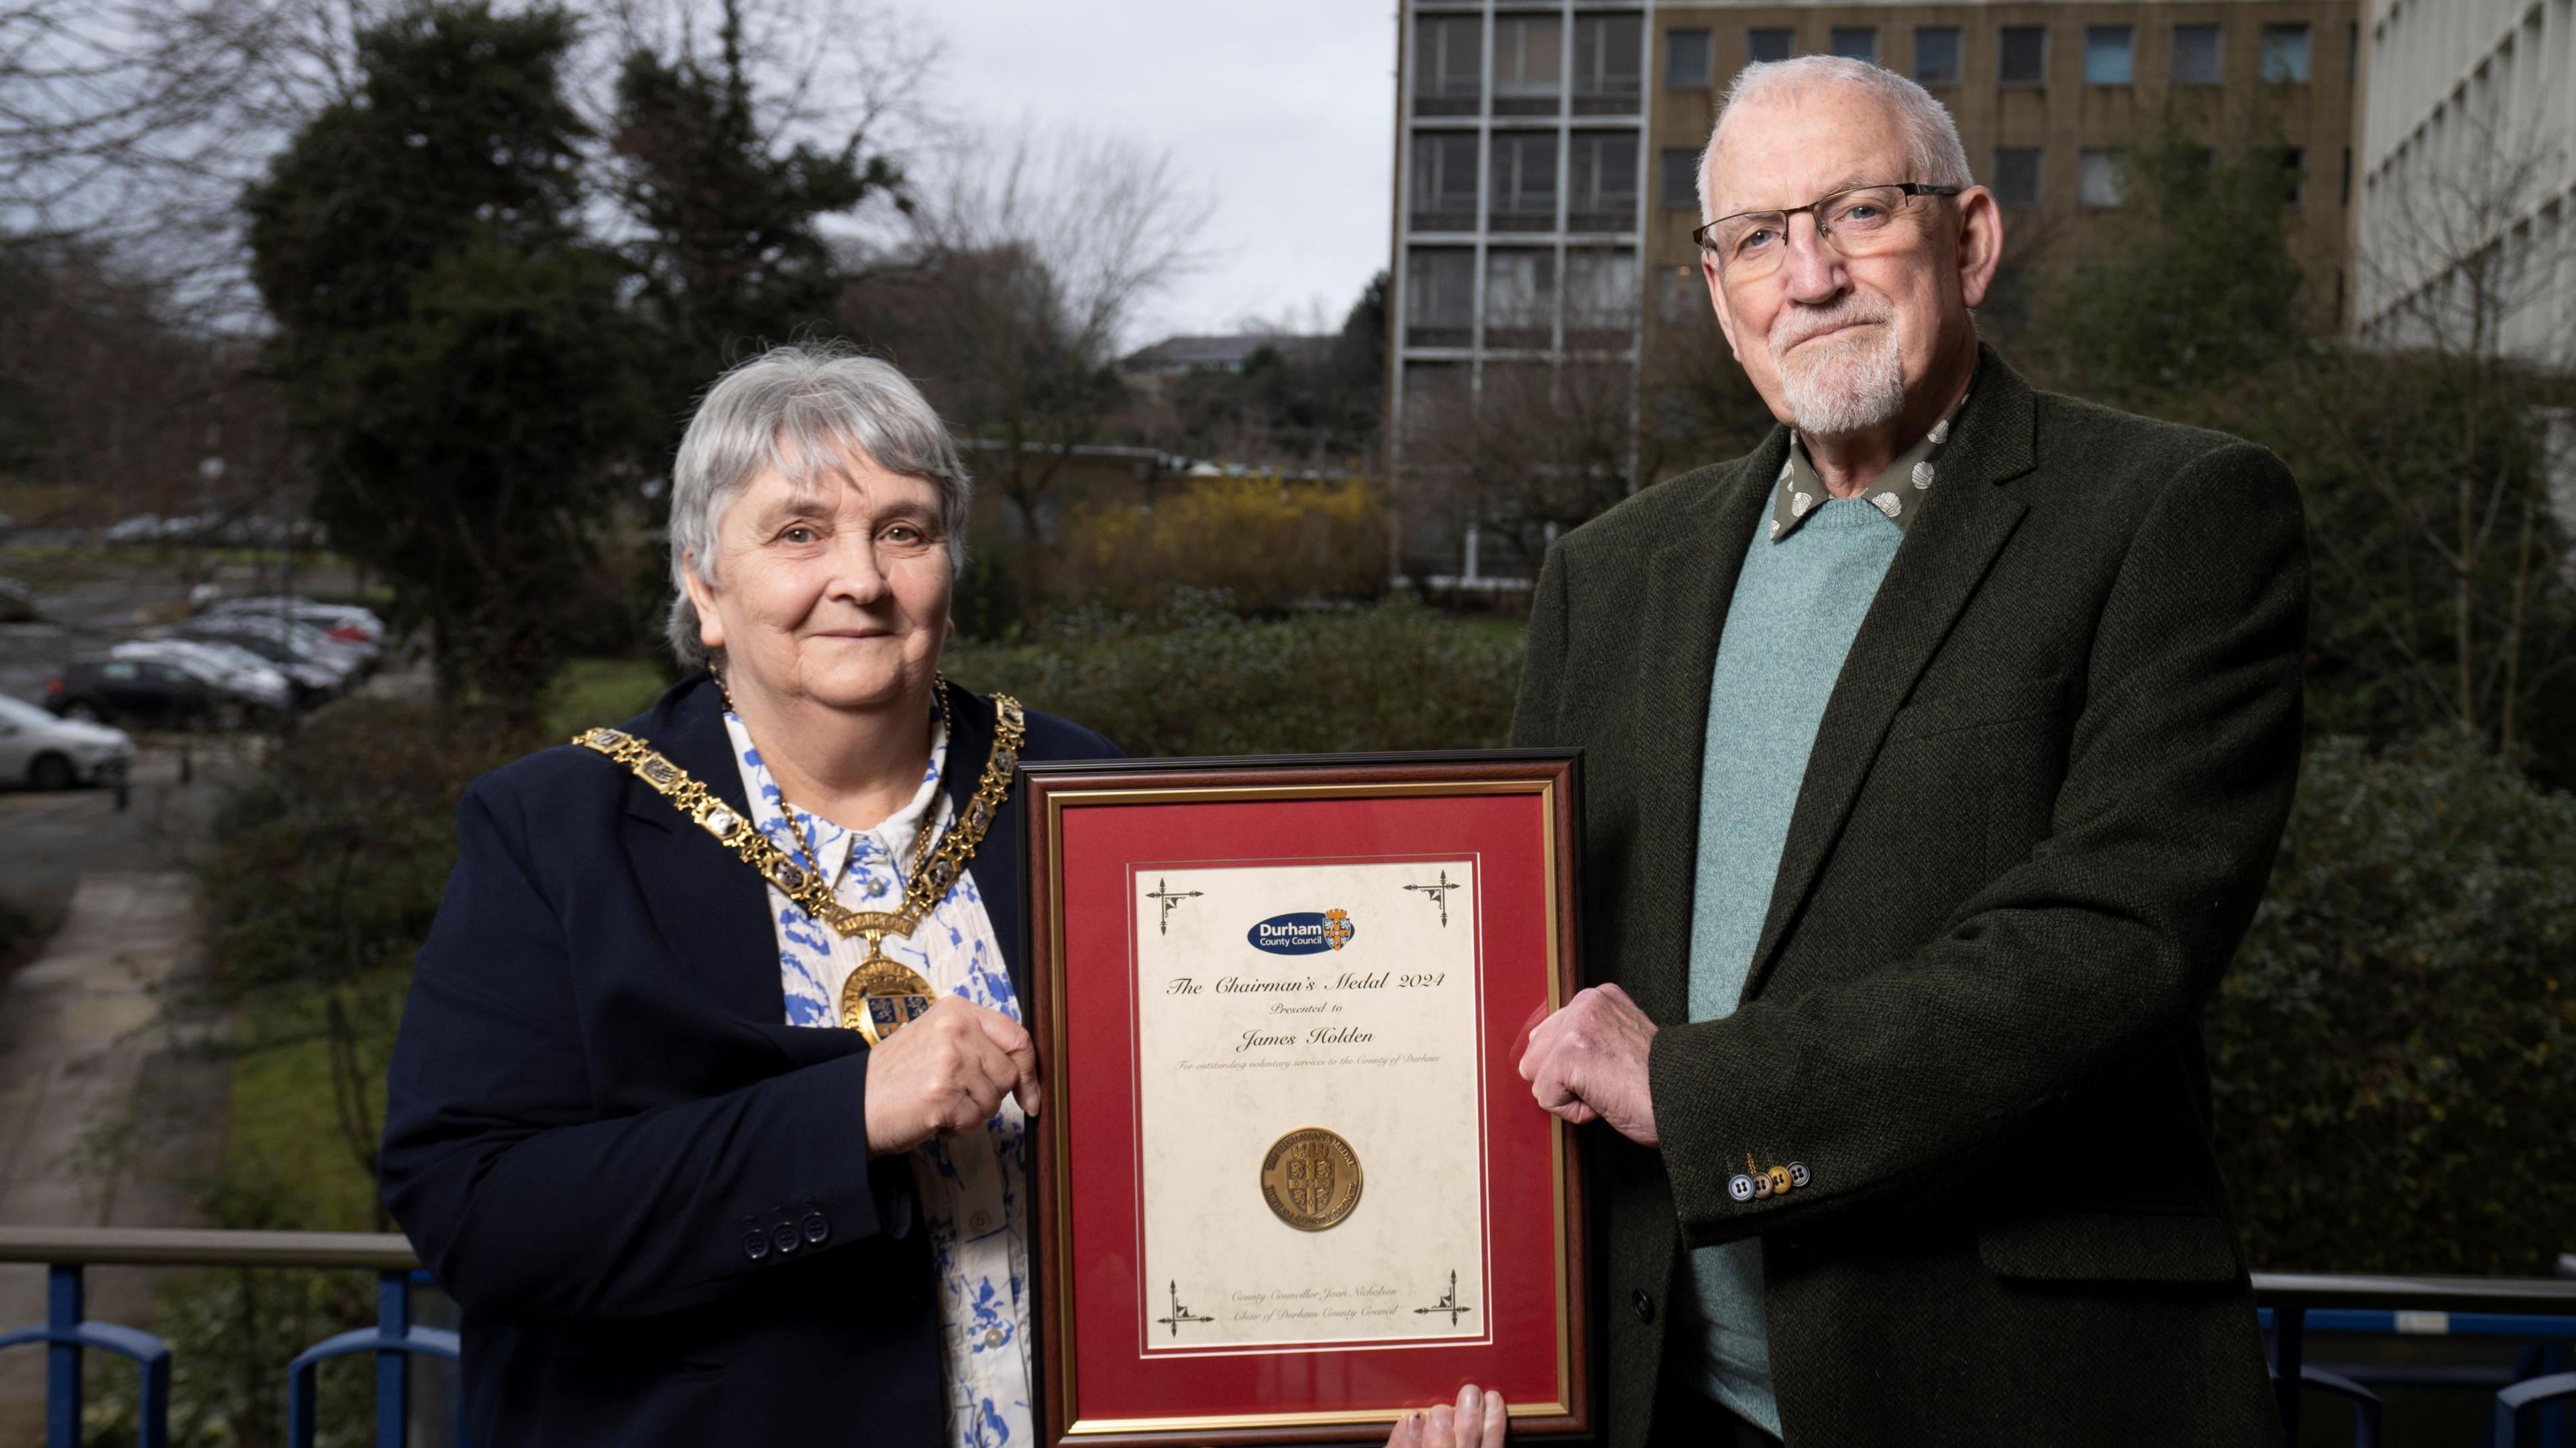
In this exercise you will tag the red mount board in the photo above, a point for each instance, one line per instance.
(1097, 834)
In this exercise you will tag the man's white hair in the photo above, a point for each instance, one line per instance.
(1932, 146)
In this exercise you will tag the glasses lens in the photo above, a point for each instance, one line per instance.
(1753, 240)
(1856, 216)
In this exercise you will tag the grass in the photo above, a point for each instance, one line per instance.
(287, 1160)
(592, 692)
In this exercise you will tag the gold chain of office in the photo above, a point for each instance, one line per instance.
(880, 994)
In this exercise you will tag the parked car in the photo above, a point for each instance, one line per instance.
(347, 662)
(311, 679)
(50, 753)
(248, 688)
(103, 689)
(141, 528)
(343, 621)
(17, 602)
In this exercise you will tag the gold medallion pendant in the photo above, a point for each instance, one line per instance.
(882, 994)
(1311, 1179)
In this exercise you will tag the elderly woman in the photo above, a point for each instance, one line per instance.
(710, 1095)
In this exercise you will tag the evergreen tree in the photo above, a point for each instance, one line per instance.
(450, 345)
(729, 256)
(2191, 281)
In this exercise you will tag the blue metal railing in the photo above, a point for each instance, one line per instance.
(2529, 1410)
(2541, 1312)
(67, 1333)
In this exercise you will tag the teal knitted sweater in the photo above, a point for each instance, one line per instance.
(1798, 604)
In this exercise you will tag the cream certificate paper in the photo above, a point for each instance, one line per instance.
(1281, 997)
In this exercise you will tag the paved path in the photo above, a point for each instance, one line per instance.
(83, 1047)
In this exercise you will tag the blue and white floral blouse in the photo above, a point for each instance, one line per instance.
(974, 1193)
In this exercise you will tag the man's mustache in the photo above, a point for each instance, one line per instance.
(1793, 329)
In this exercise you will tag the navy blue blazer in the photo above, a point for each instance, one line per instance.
(650, 1194)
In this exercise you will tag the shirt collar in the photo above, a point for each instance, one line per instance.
(1897, 493)
(827, 843)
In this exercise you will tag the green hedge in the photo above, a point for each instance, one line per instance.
(1392, 677)
(2394, 1055)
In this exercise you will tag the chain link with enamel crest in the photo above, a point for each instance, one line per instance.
(881, 993)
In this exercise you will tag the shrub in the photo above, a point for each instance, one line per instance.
(1266, 542)
(2395, 1052)
(1390, 677)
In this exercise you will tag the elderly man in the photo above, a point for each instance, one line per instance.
(1936, 755)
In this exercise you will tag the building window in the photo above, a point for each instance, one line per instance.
(1523, 197)
(2021, 56)
(1936, 54)
(1689, 61)
(1609, 58)
(1678, 170)
(1444, 181)
(2346, 188)
(2098, 179)
(2017, 175)
(2196, 55)
(1520, 298)
(1529, 64)
(1600, 299)
(1601, 176)
(1439, 297)
(1856, 42)
(1448, 65)
(2294, 176)
(2285, 54)
(1435, 395)
(2351, 58)
(2110, 55)
(1763, 43)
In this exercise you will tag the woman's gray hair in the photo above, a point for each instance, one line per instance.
(1932, 146)
(800, 410)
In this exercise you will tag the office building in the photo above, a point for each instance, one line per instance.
(2466, 170)
(1547, 153)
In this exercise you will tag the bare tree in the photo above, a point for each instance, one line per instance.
(2465, 279)
(1012, 286)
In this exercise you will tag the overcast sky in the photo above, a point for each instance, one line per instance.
(1282, 111)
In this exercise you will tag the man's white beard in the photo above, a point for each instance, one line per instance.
(1837, 386)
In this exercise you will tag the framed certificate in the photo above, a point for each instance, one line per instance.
(1290, 1184)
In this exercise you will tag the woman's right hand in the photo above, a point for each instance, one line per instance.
(945, 1072)
(1476, 1422)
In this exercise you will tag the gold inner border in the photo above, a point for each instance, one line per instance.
(1057, 803)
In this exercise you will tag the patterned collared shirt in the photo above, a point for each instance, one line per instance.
(1898, 492)
(974, 1192)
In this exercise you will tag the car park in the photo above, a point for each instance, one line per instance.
(43, 752)
(103, 689)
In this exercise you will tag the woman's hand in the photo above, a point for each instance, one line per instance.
(946, 1072)
(1476, 1422)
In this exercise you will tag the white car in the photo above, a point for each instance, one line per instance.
(43, 752)
(260, 686)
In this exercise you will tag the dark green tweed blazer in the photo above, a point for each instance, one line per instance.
(2042, 805)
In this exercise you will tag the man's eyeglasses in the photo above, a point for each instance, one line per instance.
(1858, 222)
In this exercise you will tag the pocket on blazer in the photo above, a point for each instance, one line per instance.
(1975, 708)
(2111, 1247)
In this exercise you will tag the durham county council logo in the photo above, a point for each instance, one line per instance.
(1303, 932)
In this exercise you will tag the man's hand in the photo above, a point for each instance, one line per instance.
(947, 1072)
(1477, 1422)
(1588, 1062)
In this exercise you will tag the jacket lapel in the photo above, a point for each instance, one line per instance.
(711, 908)
(997, 863)
(1691, 578)
(1964, 524)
